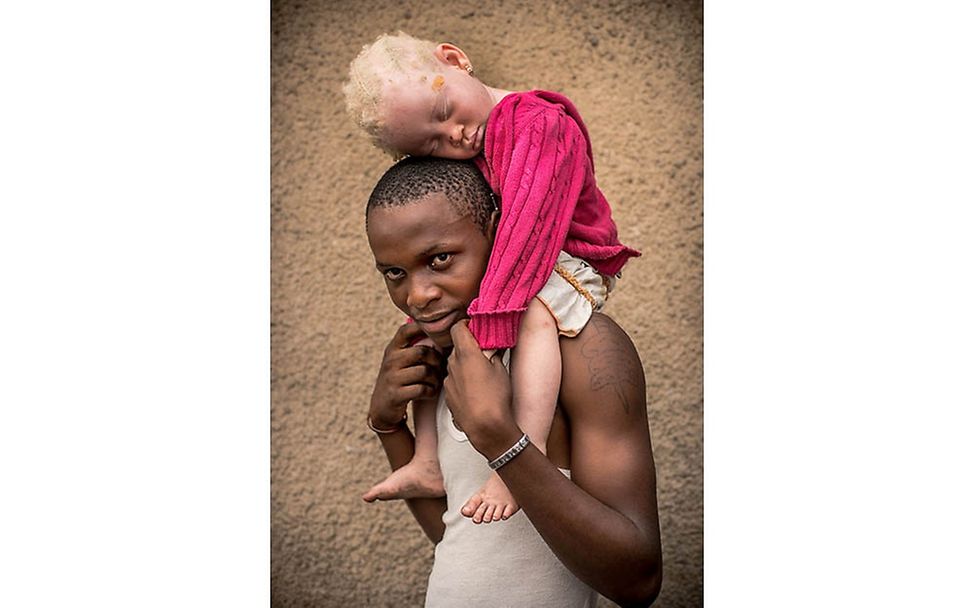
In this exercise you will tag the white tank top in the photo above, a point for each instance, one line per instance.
(504, 563)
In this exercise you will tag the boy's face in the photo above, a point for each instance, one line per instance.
(432, 261)
(440, 113)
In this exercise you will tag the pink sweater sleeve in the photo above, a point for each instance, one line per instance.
(538, 164)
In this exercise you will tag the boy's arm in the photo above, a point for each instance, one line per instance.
(407, 373)
(603, 523)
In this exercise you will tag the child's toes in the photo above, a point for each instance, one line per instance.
(471, 505)
(478, 516)
(489, 513)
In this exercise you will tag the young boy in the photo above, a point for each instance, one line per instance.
(431, 225)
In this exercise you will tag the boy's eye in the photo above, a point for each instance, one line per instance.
(393, 274)
(441, 259)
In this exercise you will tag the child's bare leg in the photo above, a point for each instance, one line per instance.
(535, 380)
(420, 477)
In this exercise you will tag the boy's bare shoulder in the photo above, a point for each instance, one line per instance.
(601, 366)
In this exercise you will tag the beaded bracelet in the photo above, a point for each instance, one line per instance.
(509, 455)
(399, 426)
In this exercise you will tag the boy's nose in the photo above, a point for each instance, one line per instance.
(420, 294)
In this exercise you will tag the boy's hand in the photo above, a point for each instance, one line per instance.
(406, 373)
(478, 392)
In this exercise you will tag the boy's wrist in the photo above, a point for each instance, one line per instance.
(385, 417)
(495, 442)
(511, 453)
(385, 429)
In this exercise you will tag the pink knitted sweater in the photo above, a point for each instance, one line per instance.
(538, 160)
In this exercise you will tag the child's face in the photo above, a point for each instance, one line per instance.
(440, 113)
(432, 261)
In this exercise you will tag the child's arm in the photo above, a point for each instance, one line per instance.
(539, 165)
(407, 373)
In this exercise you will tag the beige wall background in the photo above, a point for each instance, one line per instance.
(635, 71)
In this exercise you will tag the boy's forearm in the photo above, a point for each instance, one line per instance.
(598, 543)
(399, 448)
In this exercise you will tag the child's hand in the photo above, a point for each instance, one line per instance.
(406, 373)
(478, 392)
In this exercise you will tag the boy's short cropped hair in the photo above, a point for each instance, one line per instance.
(414, 178)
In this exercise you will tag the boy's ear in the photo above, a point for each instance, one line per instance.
(452, 55)
(495, 219)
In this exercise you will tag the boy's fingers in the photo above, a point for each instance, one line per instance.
(463, 340)
(423, 356)
(430, 357)
(406, 333)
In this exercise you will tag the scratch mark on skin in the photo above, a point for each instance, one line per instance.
(608, 365)
(438, 83)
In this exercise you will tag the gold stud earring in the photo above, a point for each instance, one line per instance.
(469, 69)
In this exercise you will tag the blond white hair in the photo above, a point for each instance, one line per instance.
(390, 56)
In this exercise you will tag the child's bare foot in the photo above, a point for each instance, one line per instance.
(493, 502)
(418, 479)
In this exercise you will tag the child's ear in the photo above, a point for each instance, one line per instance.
(452, 55)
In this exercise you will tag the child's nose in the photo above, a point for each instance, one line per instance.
(456, 135)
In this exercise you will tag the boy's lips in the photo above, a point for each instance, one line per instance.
(437, 324)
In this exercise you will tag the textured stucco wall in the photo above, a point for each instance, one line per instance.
(635, 71)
